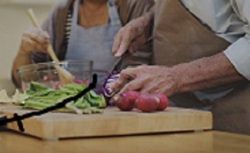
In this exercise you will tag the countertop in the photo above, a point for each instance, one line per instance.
(183, 142)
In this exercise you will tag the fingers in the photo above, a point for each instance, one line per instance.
(35, 40)
(150, 89)
(134, 85)
(126, 74)
(117, 42)
(30, 45)
(122, 42)
(133, 48)
(124, 38)
(38, 36)
(136, 82)
(147, 80)
(122, 48)
(135, 44)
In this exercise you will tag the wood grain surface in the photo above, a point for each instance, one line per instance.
(187, 142)
(112, 122)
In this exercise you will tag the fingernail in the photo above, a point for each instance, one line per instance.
(117, 54)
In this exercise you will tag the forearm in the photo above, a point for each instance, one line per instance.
(21, 58)
(206, 73)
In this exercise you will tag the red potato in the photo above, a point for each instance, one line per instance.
(147, 102)
(163, 102)
(126, 101)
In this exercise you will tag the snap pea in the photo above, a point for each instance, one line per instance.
(40, 97)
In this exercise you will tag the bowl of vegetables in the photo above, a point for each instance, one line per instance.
(47, 74)
(43, 88)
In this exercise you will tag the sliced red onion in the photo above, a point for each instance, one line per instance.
(109, 80)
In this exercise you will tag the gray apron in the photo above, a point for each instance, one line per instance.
(94, 43)
(179, 37)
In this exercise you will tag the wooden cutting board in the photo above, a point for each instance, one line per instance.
(111, 123)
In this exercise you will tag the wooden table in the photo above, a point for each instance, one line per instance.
(185, 142)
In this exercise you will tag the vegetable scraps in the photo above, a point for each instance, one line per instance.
(5, 99)
(41, 97)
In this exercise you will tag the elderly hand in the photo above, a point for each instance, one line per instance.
(148, 79)
(34, 40)
(131, 36)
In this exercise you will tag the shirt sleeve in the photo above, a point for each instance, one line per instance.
(239, 52)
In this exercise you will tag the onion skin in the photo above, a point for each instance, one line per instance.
(109, 79)
(105, 90)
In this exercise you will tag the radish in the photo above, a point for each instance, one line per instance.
(126, 101)
(147, 102)
(163, 102)
(57, 85)
(132, 95)
(77, 81)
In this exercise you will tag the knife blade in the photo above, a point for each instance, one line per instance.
(120, 60)
(118, 63)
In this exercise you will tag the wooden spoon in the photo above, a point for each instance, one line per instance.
(65, 76)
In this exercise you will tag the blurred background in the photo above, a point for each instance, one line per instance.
(13, 21)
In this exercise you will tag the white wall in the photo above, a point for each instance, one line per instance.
(13, 21)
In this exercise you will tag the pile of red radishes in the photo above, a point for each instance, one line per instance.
(144, 102)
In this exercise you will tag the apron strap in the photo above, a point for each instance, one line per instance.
(113, 13)
(75, 12)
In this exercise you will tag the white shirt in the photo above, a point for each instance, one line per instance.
(229, 19)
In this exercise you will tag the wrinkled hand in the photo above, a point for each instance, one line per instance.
(148, 79)
(34, 40)
(130, 37)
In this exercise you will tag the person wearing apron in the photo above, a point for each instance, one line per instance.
(184, 41)
(94, 43)
(231, 107)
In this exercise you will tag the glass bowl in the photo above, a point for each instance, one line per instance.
(46, 73)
